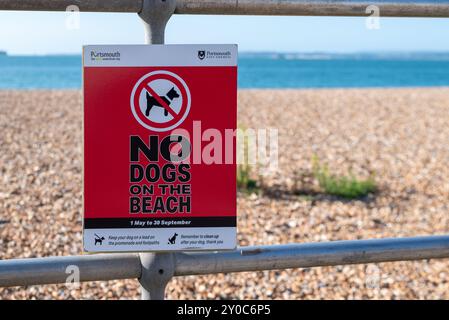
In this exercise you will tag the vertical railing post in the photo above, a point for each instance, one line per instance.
(157, 268)
(155, 15)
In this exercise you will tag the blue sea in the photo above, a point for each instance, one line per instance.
(261, 70)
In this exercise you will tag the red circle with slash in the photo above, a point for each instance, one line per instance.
(159, 110)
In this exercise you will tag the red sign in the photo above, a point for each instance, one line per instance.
(159, 147)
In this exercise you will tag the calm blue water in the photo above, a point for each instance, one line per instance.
(262, 70)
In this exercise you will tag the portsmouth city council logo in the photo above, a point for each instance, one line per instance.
(160, 101)
(201, 54)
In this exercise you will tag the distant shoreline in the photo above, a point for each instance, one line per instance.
(401, 55)
(261, 71)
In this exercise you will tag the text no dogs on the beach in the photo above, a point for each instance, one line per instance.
(159, 147)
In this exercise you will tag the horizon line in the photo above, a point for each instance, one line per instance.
(378, 52)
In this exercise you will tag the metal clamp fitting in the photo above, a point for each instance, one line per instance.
(157, 270)
(155, 15)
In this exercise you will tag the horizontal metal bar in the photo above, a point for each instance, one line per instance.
(387, 8)
(21, 272)
(313, 255)
(83, 5)
(33, 271)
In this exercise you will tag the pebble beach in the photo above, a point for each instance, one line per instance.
(398, 135)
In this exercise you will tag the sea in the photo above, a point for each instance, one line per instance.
(261, 70)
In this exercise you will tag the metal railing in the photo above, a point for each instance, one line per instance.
(388, 8)
(155, 274)
(155, 270)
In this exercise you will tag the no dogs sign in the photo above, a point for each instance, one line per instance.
(159, 147)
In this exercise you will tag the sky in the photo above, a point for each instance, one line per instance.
(65, 33)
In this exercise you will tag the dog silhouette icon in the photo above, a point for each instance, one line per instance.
(98, 239)
(172, 240)
(168, 98)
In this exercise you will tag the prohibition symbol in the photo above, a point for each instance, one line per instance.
(160, 101)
